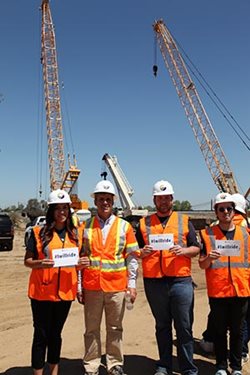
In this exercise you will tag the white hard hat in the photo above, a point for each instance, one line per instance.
(58, 196)
(240, 203)
(223, 198)
(163, 188)
(104, 186)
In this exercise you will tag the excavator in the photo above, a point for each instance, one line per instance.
(130, 211)
(60, 178)
(208, 142)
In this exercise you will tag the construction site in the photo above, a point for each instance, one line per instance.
(64, 173)
(59, 166)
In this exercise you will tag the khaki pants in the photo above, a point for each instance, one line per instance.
(113, 304)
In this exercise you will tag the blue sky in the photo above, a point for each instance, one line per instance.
(111, 100)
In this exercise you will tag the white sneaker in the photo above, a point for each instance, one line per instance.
(236, 372)
(161, 371)
(244, 358)
(221, 372)
(207, 346)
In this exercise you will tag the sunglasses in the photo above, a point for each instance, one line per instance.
(223, 209)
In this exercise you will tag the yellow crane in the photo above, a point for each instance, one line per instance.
(59, 177)
(204, 133)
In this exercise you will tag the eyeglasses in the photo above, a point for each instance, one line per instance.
(223, 209)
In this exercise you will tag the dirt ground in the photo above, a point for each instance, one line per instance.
(140, 349)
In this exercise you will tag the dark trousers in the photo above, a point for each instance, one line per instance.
(228, 315)
(48, 321)
(171, 299)
(208, 335)
(246, 331)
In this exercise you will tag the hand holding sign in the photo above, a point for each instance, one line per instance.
(161, 241)
(65, 257)
(228, 247)
(177, 250)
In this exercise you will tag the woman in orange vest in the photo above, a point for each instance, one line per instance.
(225, 257)
(52, 285)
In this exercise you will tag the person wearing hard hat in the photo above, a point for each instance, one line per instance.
(239, 218)
(52, 253)
(168, 242)
(225, 257)
(110, 243)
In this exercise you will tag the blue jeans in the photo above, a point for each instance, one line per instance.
(171, 299)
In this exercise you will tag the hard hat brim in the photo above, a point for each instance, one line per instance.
(102, 192)
(157, 194)
(240, 209)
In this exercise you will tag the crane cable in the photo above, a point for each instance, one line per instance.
(68, 122)
(40, 112)
(206, 84)
(155, 69)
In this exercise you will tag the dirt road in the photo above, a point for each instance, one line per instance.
(139, 342)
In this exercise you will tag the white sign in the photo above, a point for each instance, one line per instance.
(65, 257)
(228, 247)
(161, 241)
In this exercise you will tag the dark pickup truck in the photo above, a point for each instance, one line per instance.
(6, 232)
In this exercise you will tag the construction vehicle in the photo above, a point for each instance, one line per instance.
(129, 211)
(204, 133)
(59, 178)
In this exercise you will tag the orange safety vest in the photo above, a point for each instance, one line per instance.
(161, 262)
(229, 275)
(53, 284)
(108, 271)
(238, 219)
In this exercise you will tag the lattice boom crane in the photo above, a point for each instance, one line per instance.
(204, 133)
(58, 177)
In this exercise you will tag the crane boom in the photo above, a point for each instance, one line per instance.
(52, 100)
(204, 133)
(58, 177)
(124, 189)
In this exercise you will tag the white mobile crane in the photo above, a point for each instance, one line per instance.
(204, 133)
(130, 211)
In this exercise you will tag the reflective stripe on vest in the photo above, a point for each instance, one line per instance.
(108, 269)
(229, 275)
(163, 263)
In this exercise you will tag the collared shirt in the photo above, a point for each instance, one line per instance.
(105, 226)
(131, 261)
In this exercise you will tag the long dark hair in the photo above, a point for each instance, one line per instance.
(46, 233)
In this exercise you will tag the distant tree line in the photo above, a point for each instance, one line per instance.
(177, 206)
(33, 208)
